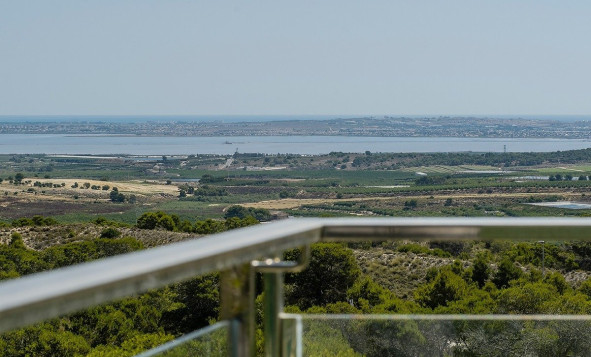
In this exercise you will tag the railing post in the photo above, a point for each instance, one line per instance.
(273, 270)
(273, 305)
(234, 296)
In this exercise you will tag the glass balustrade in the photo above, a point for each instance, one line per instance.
(208, 341)
(435, 335)
(239, 255)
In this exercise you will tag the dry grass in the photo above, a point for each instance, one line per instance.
(291, 203)
(39, 238)
(400, 272)
(132, 187)
(18, 201)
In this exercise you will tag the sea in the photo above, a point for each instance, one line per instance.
(306, 145)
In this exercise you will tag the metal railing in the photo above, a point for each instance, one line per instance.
(237, 255)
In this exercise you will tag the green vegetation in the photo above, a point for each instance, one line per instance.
(123, 328)
(154, 220)
(501, 278)
(193, 196)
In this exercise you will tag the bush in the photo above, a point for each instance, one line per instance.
(420, 249)
(411, 204)
(110, 233)
(159, 219)
(116, 196)
(35, 221)
(260, 214)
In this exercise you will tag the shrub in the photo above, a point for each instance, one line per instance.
(110, 233)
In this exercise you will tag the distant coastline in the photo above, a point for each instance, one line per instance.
(388, 126)
(263, 118)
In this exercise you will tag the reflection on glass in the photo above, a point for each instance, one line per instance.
(420, 335)
(209, 341)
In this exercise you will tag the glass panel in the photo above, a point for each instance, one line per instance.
(208, 341)
(438, 335)
(292, 336)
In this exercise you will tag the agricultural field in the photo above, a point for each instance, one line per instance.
(447, 169)
(76, 188)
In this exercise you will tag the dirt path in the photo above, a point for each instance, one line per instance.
(227, 164)
(290, 203)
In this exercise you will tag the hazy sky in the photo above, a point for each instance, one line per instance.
(295, 57)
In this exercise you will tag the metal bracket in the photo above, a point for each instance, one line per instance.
(276, 265)
(272, 270)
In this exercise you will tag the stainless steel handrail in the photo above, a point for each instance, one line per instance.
(45, 295)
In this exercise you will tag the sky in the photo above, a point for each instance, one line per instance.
(270, 57)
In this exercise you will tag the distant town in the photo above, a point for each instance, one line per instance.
(365, 126)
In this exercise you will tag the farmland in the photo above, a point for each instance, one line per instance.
(75, 189)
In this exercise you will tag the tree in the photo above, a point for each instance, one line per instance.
(207, 179)
(411, 204)
(18, 178)
(159, 219)
(148, 220)
(260, 214)
(199, 299)
(166, 222)
(480, 270)
(429, 180)
(527, 299)
(507, 271)
(38, 220)
(557, 280)
(116, 196)
(331, 272)
(185, 226)
(585, 287)
(371, 297)
(236, 211)
(446, 287)
(208, 226)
